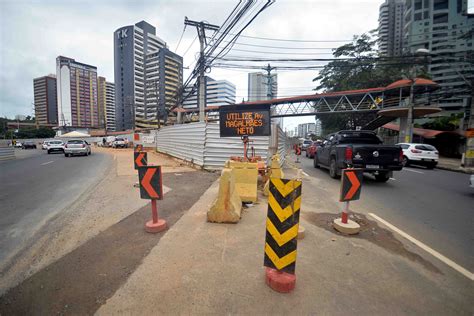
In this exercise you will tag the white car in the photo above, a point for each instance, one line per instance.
(44, 145)
(77, 147)
(419, 154)
(55, 146)
(471, 181)
(120, 143)
(18, 145)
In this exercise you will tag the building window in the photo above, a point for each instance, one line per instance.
(426, 14)
(426, 4)
(417, 16)
(418, 4)
(440, 18)
(440, 4)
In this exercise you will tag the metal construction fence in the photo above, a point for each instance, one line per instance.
(200, 144)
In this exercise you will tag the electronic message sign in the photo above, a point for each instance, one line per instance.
(240, 120)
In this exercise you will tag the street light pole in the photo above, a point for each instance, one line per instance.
(411, 105)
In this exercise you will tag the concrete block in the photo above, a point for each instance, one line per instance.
(351, 228)
(246, 179)
(228, 205)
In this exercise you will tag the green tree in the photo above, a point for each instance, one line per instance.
(358, 68)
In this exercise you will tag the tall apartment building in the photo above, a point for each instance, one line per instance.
(46, 101)
(101, 100)
(305, 129)
(218, 93)
(391, 19)
(110, 106)
(77, 93)
(147, 76)
(444, 28)
(258, 84)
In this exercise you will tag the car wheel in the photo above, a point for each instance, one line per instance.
(382, 177)
(316, 161)
(405, 161)
(49, 152)
(431, 166)
(333, 169)
(66, 155)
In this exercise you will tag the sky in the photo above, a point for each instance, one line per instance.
(33, 33)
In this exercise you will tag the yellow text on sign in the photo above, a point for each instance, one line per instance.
(244, 122)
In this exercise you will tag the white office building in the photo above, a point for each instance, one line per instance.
(218, 93)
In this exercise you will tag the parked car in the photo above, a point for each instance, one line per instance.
(305, 144)
(55, 146)
(358, 149)
(77, 147)
(120, 143)
(311, 150)
(419, 154)
(28, 144)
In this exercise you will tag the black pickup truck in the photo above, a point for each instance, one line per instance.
(358, 149)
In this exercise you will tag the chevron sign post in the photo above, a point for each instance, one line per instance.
(140, 159)
(351, 186)
(284, 201)
(151, 187)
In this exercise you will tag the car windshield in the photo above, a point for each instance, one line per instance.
(75, 141)
(359, 138)
(307, 142)
(55, 142)
(119, 139)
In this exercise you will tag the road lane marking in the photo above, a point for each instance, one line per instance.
(393, 179)
(412, 170)
(431, 251)
(305, 174)
(46, 163)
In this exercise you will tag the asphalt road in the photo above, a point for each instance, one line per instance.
(434, 206)
(38, 186)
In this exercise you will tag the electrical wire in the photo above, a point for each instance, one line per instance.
(180, 38)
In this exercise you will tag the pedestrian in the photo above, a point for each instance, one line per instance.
(103, 142)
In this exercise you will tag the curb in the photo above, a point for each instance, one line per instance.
(456, 169)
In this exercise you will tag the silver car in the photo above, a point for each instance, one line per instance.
(77, 147)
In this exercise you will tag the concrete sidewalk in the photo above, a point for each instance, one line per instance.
(203, 268)
(453, 164)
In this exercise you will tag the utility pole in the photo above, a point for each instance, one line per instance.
(469, 153)
(269, 83)
(201, 29)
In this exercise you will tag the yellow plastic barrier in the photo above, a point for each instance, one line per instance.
(228, 206)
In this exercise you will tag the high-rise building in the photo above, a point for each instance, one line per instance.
(258, 86)
(391, 27)
(218, 93)
(445, 29)
(318, 128)
(164, 79)
(110, 106)
(147, 75)
(101, 100)
(304, 130)
(77, 93)
(46, 101)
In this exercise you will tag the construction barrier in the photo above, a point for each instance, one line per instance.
(246, 179)
(284, 203)
(228, 205)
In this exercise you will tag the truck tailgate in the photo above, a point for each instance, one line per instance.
(375, 154)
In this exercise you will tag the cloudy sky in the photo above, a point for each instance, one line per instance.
(35, 32)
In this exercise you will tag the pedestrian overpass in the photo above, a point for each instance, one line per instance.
(384, 103)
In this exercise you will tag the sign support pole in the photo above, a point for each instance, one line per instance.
(345, 213)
